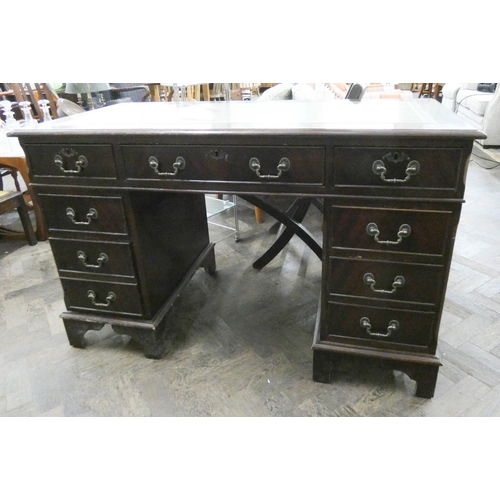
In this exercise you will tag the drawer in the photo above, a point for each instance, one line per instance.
(99, 257)
(397, 167)
(305, 165)
(96, 214)
(373, 279)
(105, 297)
(390, 229)
(384, 327)
(71, 160)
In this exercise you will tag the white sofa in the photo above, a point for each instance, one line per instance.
(480, 109)
(372, 91)
(298, 92)
(329, 91)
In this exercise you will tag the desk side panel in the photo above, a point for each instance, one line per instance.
(169, 232)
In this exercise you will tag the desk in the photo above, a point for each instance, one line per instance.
(122, 189)
(12, 155)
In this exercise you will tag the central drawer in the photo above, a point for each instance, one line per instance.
(305, 165)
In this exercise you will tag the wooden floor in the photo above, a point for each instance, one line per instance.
(242, 339)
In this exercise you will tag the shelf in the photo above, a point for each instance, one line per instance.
(216, 206)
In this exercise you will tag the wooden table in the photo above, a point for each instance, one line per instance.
(123, 192)
(12, 155)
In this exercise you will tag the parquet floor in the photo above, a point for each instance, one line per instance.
(242, 339)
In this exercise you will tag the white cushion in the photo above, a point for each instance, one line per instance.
(478, 104)
(280, 91)
(474, 100)
(303, 92)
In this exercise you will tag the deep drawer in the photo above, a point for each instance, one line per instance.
(97, 214)
(379, 326)
(400, 167)
(99, 257)
(385, 280)
(104, 297)
(397, 230)
(71, 160)
(231, 164)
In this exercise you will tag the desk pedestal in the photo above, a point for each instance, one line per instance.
(152, 335)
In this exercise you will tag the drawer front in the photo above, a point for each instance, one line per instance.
(397, 167)
(99, 257)
(390, 230)
(379, 327)
(97, 214)
(104, 297)
(304, 165)
(385, 280)
(72, 160)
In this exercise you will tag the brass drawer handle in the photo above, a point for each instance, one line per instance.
(398, 282)
(93, 296)
(92, 214)
(404, 232)
(102, 259)
(393, 326)
(179, 164)
(80, 163)
(379, 169)
(283, 166)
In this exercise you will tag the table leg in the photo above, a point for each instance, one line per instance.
(287, 221)
(300, 210)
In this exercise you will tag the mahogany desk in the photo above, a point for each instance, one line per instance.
(122, 191)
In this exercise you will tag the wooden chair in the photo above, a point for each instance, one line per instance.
(14, 200)
(430, 90)
(34, 93)
(161, 92)
(248, 89)
(6, 171)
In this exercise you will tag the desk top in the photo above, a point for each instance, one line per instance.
(416, 117)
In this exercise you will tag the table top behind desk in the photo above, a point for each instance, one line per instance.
(10, 148)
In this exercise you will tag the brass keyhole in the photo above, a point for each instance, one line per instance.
(218, 154)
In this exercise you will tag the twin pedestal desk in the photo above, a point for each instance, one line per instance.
(122, 193)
